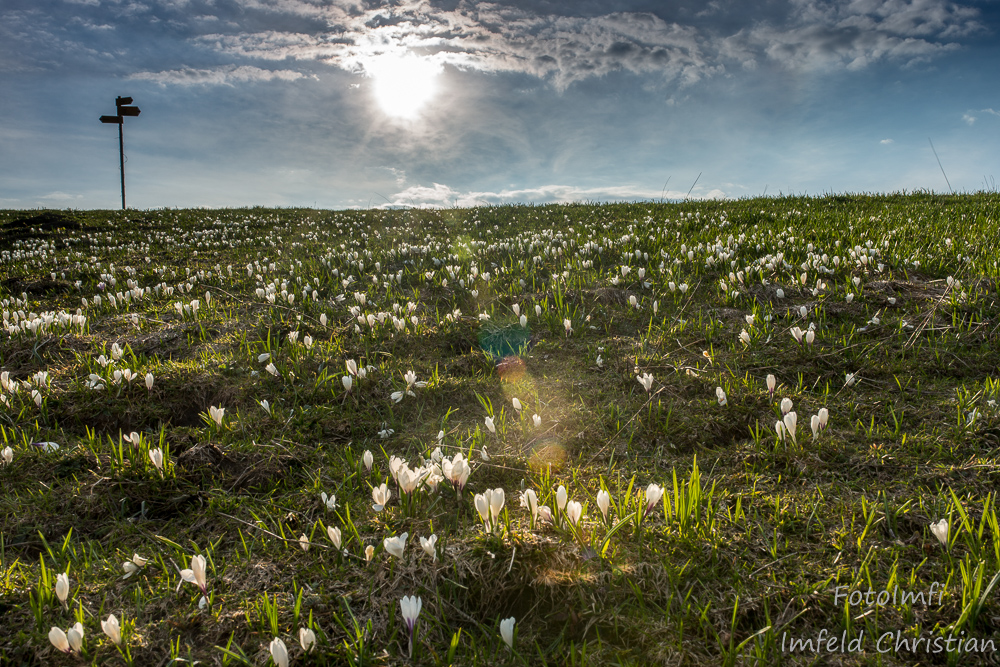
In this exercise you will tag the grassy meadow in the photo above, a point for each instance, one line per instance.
(699, 433)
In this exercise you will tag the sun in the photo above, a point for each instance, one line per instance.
(403, 84)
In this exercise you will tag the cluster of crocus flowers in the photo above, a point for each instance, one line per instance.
(529, 500)
(456, 470)
(69, 641)
(799, 335)
(488, 504)
(819, 421)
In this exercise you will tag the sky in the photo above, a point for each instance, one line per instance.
(441, 103)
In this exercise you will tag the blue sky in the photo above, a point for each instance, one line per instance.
(439, 103)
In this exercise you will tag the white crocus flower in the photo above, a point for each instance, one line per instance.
(410, 607)
(427, 544)
(562, 497)
(197, 575)
(574, 511)
(790, 421)
(720, 394)
(604, 502)
(368, 460)
(940, 530)
(279, 652)
(653, 494)
(58, 638)
(395, 545)
(156, 456)
(507, 632)
(380, 496)
(307, 639)
(482, 504)
(75, 637)
(62, 587)
(112, 629)
(216, 414)
(490, 425)
(329, 501)
(8, 455)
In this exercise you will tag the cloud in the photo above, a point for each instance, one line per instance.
(229, 75)
(560, 49)
(60, 196)
(970, 119)
(681, 42)
(886, 142)
(819, 35)
(443, 196)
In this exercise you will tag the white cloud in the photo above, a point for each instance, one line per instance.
(886, 141)
(443, 196)
(188, 76)
(969, 118)
(60, 196)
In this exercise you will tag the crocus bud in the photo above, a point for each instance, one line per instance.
(603, 502)
(307, 638)
(62, 587)
(507, 632)
(279, 653)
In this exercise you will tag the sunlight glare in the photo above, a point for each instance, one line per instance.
(403, 84)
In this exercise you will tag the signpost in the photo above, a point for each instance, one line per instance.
(121, 103)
